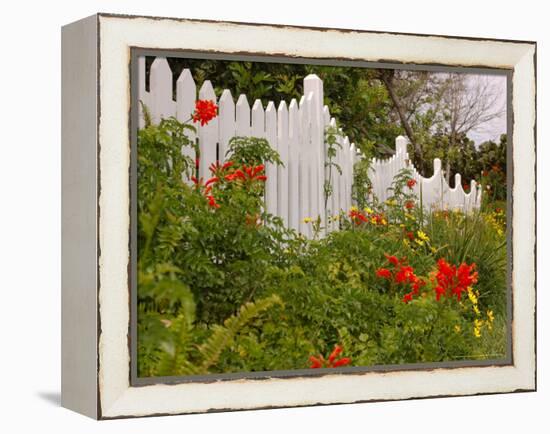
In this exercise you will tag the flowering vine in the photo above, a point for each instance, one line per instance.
(332, 361)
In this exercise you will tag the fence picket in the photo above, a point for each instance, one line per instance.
(208, 134)
(226, 123)
(271, 169)
(293, 164)
(186, 94)
(282, 171)
(160, 84)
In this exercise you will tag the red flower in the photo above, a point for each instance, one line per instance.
(407, 297)
(392, 259)
(211, 181)
(410, 235)
(212, 201)
(484, 173)
(205, 111)
(331, 362)
(358, 217)
(402, 275)
(216, 168)
(452, 280)
(342, 362)
(248, 174)
(315, 362)
(411, 183)
(405, 274)
(337, 350)
(465, 187)
(409, 204)
(384, 273)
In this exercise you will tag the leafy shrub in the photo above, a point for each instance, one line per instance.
(225, 287)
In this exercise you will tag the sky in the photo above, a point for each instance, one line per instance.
(493, 129)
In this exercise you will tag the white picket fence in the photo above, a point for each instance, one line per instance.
(296, 131)
(435, 192)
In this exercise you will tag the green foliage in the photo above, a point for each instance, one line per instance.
(331, 141)
(251, 151)
(228, 288)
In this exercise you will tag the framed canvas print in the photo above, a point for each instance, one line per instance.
(261, 216)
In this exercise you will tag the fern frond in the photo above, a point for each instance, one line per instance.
(222, 336)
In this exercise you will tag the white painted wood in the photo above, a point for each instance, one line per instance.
(304, 196)
(282, 171)
(243, 116)
(226, 123)
(160, 84)
(143, 95)
(271, 169)
(294, 137)
(186, 94)
(208, 134)
(258, 120)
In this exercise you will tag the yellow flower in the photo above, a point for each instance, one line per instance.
(368, 210)
(476, 309)
(423, 236)
(419, 242)
(477, 332)
(433, 249)
(307, 220)
(384, 222)
(374, 221)
(472, 296)
(354, 208)
(409, 216)
(406, 242)
(477, 327)
(391, 202)
(490, 316)
(457, 328)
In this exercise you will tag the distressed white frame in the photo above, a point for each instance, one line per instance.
(116, 398)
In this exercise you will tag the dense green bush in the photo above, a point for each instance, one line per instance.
(225, 287)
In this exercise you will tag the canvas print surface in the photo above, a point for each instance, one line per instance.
(294, 216)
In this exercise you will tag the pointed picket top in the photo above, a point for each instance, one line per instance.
(294, 121)
(326, 114)
(186, 94)
(282, 124)
(242, 110)
(332, 122)
(400, 145)
(258, 119)
(226, 123)
(437, 166)
(207, 91)
(458, 182)
(160, 85)
(313, 84)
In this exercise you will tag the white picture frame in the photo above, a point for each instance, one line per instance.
(96, 308)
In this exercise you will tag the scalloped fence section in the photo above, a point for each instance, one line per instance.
(434, 192)
(296, 130)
